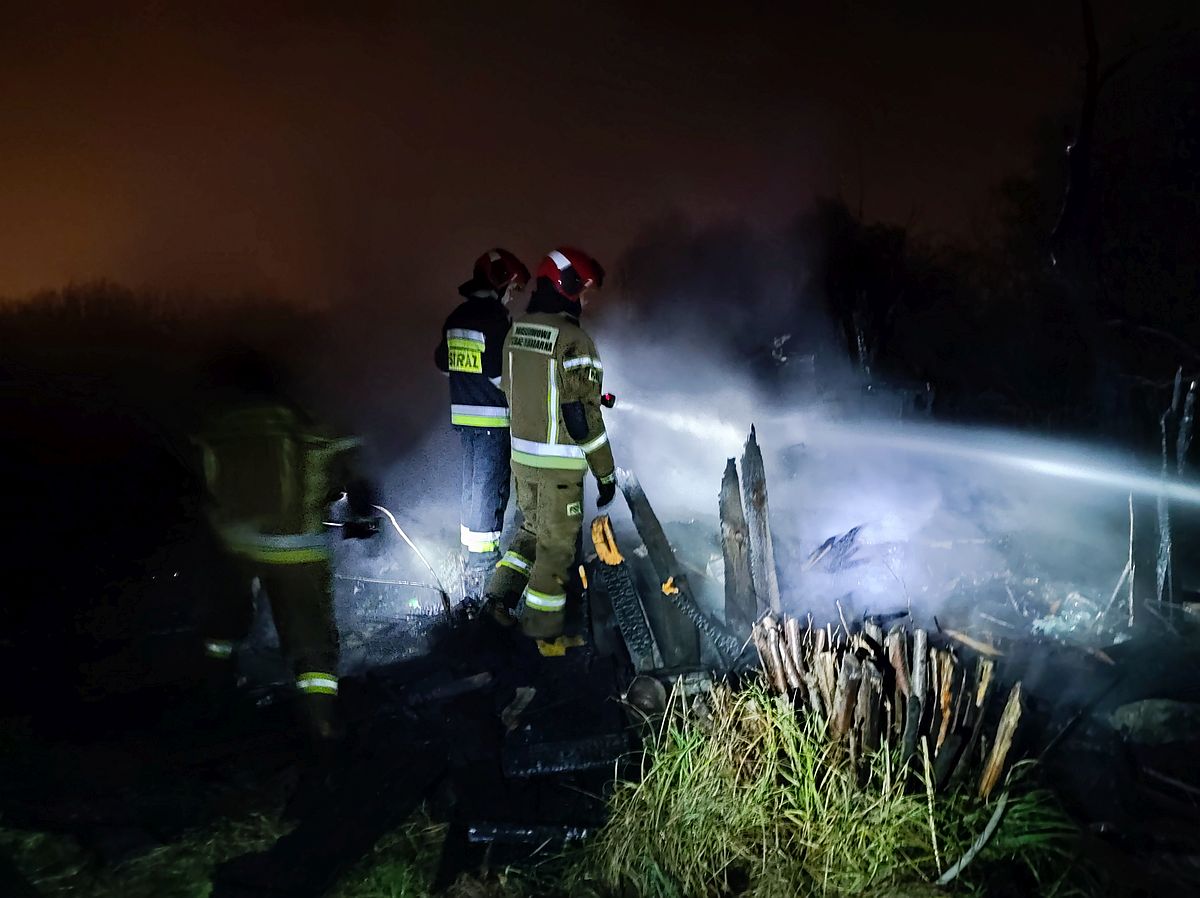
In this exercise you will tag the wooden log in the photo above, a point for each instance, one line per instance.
(813, 690)
(825, 666)
(896, 646)
(795, 643)
(790, 672)
(874, 635)
(867, 709)
(918, 695)
(947, 670)
(845, 696)
(741, 607)
(677, 637)
(772, 664)
(1002, 743)
(762, 550)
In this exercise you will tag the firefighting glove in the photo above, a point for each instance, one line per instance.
(608, 489)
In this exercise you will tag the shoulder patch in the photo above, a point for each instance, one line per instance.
(540, 338)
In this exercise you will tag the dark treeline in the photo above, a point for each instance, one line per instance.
(1088, 342)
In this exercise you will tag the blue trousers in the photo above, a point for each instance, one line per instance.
(485, 491)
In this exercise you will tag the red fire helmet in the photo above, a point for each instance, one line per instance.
(500, 268)
(571, 271)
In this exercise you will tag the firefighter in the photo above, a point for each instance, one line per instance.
(552, 376)
(469, 354)
(271, 474)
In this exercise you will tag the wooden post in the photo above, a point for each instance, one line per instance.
(762, 552)
(741, 607)
(1003, 742)
(918, 697)
(768, 650)
(677, 637)
(867, 710)
(845, 696)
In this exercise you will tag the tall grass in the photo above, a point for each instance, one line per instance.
(758, 801)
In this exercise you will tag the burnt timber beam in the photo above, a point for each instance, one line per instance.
(741, 607)
(762, 551)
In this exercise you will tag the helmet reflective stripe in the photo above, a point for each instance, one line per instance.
(559, 260)
(493, 256)
(593, 445)
(541, 601)
(584, 361)
(479, 540)
(317, 682)
(515, 561)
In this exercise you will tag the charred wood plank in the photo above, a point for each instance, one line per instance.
(741, 607)
(762, 550)
(678, 637)
(613, 579)
(524, 759)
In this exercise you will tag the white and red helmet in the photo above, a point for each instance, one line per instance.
(499, 268)
(571, 271)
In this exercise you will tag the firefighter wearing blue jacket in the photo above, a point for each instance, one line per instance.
(470, 355)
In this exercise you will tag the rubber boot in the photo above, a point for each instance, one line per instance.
(321, 718)
(542, 624)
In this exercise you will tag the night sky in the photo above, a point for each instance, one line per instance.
(320, 154)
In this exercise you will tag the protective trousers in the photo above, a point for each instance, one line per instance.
(301, 600)
(538, 563)
(485, 491)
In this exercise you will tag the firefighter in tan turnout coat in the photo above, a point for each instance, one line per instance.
(552, 376)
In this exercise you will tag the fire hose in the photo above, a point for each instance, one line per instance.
(404, 536)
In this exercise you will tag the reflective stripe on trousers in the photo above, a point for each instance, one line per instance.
(218, 648)
(479, 541)
(541, 601)
(317, 682)
(515, 561)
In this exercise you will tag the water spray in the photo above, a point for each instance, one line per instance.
(1034, 456)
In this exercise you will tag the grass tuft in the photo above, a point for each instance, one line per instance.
(759, 802)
